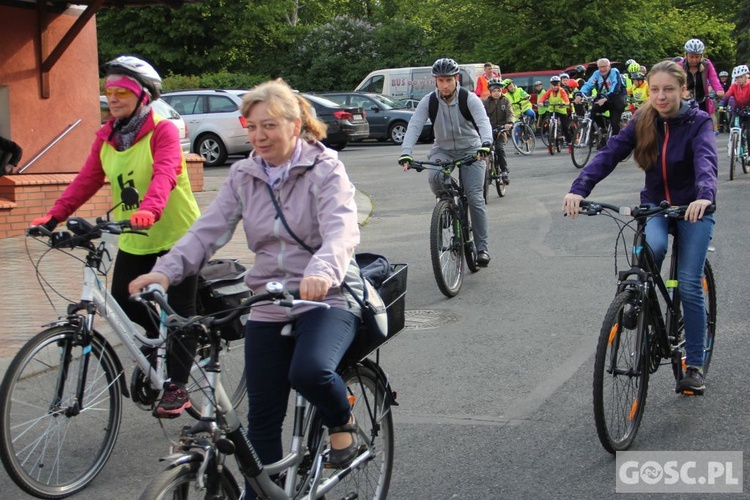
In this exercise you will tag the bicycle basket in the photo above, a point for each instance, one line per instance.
(221, 286)
(393, 292)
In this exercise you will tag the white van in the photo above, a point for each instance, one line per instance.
(416, 82)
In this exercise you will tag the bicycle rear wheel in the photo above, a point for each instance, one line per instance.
(621, 372)
(178, 483)
(372, 412)
(232, 358)
(733, 153)
(523, 138)
(52, 444)
(447, 248)
(582, 145)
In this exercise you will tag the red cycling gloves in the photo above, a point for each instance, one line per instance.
(142, 219)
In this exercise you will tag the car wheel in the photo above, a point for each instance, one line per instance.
(397, 132)
(338, 146)
(210, 147)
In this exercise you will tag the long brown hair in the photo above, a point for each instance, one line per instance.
(284, 103)
(645, 153)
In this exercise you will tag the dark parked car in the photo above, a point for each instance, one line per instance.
(388, 118)
(345, 123)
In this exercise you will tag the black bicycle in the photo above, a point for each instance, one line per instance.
(586, 134)
(451, 237)
(493, 174)
(637, 334)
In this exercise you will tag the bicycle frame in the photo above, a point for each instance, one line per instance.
(95, 298)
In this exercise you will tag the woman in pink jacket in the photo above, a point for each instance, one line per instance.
(316, 198)
(702, 77)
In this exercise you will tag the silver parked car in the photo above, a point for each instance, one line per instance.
(215, 125)
(161, 108)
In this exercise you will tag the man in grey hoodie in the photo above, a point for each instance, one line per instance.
(456, 135)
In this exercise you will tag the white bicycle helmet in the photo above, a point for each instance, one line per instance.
(694, 46)
(723, 73)
(138, 69)
(740, 70)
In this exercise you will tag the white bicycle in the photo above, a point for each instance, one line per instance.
(61, 398)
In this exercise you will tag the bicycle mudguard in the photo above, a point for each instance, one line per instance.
(382, 378)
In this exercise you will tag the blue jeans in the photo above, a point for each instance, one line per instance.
(473, 182)
(307, 362)
(693, 241)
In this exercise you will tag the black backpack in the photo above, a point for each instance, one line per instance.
(463, 106)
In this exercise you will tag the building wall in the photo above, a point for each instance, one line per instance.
(31, 121)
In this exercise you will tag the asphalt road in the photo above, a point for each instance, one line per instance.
(495, 394)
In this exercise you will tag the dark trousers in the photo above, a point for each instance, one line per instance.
(181, 297)
(615, 105)
(10, 154)
(307, 362)
(500, 159)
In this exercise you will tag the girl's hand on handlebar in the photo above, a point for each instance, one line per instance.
(144, 280)
(572, 205)
(313, 288)
(696, 210)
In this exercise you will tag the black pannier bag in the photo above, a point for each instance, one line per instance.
(221, 287)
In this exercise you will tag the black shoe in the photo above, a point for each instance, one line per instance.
(692, 382)
(340, 459)
(173, 402)
(483, 258)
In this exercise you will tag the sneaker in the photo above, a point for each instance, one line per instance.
(692, 382)
(173, 402)
(483, 258)
(504, 178)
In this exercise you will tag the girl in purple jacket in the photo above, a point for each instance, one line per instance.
(675, 146)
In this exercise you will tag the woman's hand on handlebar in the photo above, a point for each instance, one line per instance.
(313, 288)
(572, 205)
(696, 210)
(144, 280)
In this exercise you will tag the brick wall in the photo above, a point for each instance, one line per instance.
(24, 197)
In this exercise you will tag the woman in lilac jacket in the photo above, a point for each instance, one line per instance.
(317, 199)
(675, 145)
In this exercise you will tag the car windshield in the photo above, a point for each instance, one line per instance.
(321, 100)
(387, 102)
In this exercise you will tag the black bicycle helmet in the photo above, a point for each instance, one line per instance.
(580, 69)
(445, 67)
(495, 82)
(138, 69)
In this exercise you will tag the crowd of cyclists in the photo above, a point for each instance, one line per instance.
(717, 93)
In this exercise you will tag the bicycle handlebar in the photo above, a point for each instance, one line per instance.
(275, 294)
(442, 164)
(82, 232)
(639, 212)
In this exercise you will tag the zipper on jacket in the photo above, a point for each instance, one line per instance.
(664, 162)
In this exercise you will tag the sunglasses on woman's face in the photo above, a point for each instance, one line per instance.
(118, 92)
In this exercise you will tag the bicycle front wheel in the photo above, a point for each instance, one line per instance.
(488, 172)
(709, 297)
(523, 138)
(582, 145)
(621, 373)
(733, 154)
(51, 443)
(552, 136)
(447, 248)
(232, 359)
(178, 483)
(743, 151)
